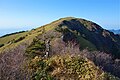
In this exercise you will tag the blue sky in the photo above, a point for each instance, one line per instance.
(16, 15)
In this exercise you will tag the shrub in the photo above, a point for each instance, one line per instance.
(37, 47)
(19, 39)
(107, 76)
(105, 61)
(39, 68)
(63, 67)
(1, 45)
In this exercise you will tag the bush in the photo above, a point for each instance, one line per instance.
(63, 67)
(39, 68)
(37, 47)
(1, 45)
(107, 76)
(105, 61)
(19, 39)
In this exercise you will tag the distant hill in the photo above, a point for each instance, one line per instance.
(115, 31)
(68, 48)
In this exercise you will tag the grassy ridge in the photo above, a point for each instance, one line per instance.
(68, 38)
(6, 39)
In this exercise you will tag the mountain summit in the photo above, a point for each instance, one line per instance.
(88, 35)
(68, 48)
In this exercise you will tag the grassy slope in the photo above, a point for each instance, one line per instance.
(86, 44)
(29, 35)
(6, 39)
(28, 39)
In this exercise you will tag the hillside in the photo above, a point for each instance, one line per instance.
(69, 48)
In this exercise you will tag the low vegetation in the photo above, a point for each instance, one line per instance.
(12, 34)
(57, 67)
(63, 67)
(1, 45)
(37, 47)
(75, 37)
(6, 39)
(19, 39)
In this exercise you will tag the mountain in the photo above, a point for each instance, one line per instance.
(69, 48)
(115, 31)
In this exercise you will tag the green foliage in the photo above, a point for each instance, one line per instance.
(63, 67)
(7, 39)
(39, 68)
(86, 44)
(37, 47)
(79, 38)
(107, 76)
(1, 45)
(66, 67)
(19, 39)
